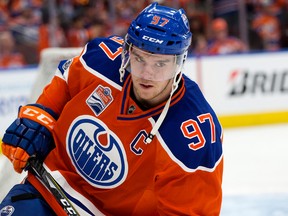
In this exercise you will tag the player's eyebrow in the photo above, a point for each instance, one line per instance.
(143, 57)
(136, 54)
(163, 60)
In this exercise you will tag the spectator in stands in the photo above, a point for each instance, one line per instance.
(222, 42)
(199, 39)
(78, 35)
(267, 25)
(25, 29)
(201, 46)
(50, 33)
(96, 28)
(9, 57)
(125, 11)
(4, 16)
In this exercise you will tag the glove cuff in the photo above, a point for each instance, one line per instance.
(38, 115)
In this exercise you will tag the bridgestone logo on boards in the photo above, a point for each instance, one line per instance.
(245, 82)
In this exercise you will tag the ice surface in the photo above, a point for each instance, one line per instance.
(255, 205)
(255, 180)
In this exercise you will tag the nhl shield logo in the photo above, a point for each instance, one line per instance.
(7, 211)
(67, 64)
(100, 99)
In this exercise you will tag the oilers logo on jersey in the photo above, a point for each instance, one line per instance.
(96, 152)
(100, 99)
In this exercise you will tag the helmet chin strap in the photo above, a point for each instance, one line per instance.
(122, 69)
(125, 62)
(164, 112)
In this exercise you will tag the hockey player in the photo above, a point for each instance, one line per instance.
(140, 142)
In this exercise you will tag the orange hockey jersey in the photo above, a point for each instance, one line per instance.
(101, 159)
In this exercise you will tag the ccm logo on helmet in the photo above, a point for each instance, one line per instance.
(153, 40)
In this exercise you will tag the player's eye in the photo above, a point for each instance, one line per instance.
(138, 59)
(160, 64)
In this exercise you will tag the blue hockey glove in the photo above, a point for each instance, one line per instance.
(30, 134)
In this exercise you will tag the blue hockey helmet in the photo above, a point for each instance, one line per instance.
(160, 29)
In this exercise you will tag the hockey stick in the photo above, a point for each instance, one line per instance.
(47, 179)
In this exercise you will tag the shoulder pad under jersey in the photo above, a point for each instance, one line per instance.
(101, 56)
(191, 133)
(104, 56)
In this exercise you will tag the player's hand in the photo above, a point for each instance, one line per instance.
(30, 134)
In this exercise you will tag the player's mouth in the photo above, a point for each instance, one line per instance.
(145, 86)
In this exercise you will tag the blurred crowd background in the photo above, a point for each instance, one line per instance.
(218, 26)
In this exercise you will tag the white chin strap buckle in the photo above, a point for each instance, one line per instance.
(149, 138)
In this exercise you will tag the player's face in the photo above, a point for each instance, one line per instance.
(152, 76)
(153, 67)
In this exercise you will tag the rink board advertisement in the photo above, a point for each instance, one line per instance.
(246, 83)
(15, 89)
(250, 88)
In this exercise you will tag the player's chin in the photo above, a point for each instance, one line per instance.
(145, 95)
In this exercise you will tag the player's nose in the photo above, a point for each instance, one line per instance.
(146, 72)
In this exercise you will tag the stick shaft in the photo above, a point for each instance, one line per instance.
(48, 180)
